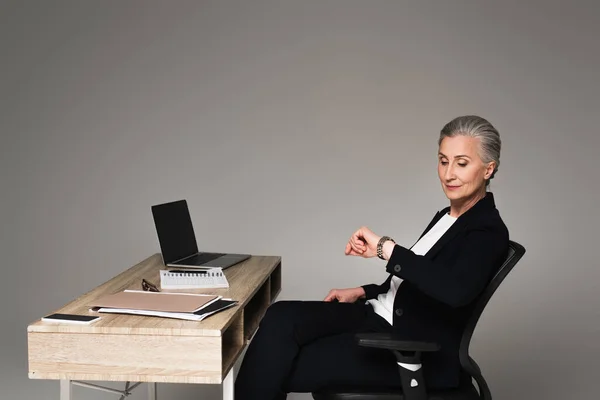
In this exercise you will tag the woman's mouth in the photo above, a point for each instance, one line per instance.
(452, 187)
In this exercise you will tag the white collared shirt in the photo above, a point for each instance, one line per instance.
(384, 303)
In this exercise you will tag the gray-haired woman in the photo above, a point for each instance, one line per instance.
(303, 346)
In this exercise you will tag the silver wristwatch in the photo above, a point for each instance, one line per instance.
(380, 245)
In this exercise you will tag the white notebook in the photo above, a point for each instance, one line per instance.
(193, 279)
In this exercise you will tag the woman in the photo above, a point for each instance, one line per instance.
(303, 346)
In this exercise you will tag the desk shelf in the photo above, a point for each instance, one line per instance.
(233, 343)
(258, 304)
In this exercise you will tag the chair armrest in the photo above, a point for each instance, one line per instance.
(408, 356)
(391, 342)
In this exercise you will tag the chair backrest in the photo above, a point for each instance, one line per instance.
(515, 252)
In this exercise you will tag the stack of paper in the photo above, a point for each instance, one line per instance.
(194, 307)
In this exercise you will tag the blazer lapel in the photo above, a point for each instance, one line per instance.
(460, 224)
(434, 221)
(457, 226)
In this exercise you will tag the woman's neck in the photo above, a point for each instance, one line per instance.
(458, 208)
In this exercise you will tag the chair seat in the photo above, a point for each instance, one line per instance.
(466, 393)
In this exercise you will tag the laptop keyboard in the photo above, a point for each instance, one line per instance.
(202, 258)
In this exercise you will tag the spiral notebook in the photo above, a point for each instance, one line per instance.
(212, 278)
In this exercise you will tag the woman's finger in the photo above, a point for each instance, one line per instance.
(356, 241)
(351, 243)
(354, 253)
(348, 249)
(359, 248)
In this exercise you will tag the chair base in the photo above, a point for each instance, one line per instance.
(355, 395)
(467, 393)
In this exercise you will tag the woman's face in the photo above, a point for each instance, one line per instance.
(461, 170)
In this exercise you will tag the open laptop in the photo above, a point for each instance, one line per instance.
(178, 241)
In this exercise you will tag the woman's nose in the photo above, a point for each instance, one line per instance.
(449, 175)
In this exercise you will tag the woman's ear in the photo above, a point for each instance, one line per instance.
(489, 170)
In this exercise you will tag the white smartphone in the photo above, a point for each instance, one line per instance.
(71, 318)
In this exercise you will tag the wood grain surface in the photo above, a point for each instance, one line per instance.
(153, 349)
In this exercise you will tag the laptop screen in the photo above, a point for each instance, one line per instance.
(175, 231)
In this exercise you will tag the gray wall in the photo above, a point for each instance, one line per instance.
(287, 125)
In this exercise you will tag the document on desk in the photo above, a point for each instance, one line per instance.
(156, 301)
(208, 310)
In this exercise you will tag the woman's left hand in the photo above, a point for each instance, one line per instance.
(362, 243)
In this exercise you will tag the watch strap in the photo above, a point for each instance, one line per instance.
(380, 245)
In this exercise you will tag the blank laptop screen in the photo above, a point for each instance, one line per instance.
(175, 231)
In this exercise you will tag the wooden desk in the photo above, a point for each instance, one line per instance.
(132, 348)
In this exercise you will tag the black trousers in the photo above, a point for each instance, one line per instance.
(305, 346)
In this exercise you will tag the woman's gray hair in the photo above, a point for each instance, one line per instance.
(477, 127)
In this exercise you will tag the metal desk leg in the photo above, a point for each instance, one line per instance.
(151, 391)
(66, 389)
(228, 386)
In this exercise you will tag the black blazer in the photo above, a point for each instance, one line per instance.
(436, 298)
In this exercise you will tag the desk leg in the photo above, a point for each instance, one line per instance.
(151, 391)
(66, 389)
(228, 385)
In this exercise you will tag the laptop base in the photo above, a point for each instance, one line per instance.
(221, 261)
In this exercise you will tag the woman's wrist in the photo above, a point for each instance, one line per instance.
(379, 249)
(387, 249)
(361, 292)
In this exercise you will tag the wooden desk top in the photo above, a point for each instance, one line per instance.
(244, 280)
(124, 347)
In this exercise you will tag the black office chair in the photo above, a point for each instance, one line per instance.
(409, 353)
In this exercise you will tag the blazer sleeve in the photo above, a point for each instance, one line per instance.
(456, 284)
(372, 290)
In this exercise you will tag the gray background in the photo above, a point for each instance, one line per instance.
(287, 125)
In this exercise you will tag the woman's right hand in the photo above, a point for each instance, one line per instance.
(345, 295)
(362, 243)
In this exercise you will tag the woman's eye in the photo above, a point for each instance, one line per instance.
(463, 165)
(443, 162)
